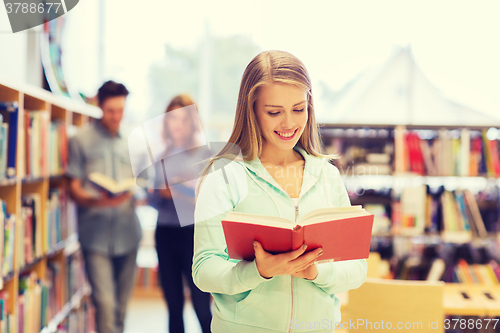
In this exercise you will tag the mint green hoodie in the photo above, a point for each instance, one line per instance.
(244, 301)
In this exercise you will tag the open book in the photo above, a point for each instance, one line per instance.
(109, 185)
(344, 233)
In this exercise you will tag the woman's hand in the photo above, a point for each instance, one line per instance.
(310, 273)
(290, 263)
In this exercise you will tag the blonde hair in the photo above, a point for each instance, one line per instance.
(268, 67)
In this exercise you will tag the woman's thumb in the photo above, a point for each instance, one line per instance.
(257, 246)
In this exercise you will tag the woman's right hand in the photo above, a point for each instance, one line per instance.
(288, 263)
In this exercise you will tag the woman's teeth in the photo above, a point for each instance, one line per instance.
(286, 135)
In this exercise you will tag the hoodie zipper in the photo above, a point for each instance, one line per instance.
(291, 277)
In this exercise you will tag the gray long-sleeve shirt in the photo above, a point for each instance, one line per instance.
(107, 230)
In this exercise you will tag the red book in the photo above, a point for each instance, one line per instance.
(63, 142)
(344, 233)
(416, 157)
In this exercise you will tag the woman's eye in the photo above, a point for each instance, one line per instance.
(273, 113)
(299, 110)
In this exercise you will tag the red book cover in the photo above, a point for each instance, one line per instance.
(495, 159)
(341, 239)
(63, 142)
(416, 157)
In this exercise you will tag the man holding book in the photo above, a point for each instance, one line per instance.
(108, 228)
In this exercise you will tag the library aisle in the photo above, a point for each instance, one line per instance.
(150, 315)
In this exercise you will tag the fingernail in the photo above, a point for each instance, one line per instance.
(304, 246)
(320, 253)
(254, 244)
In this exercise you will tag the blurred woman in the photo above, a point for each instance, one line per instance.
(175, 228)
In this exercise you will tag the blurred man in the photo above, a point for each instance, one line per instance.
(108, 228)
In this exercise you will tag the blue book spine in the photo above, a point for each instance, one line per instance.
(4, 130)
(10, 110)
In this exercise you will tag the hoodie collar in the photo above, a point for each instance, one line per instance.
(312, 170)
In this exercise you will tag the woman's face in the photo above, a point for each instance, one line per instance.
(281, 111)
(178, 125)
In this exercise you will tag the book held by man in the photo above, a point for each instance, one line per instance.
(344, 233)
(109, 185)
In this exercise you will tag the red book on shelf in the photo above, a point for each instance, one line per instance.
(416, 159)
(495, 159)
(344, 233)
(63, 142)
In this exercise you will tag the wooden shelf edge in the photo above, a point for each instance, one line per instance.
(60, 101)
(74, 303)
(147, 292)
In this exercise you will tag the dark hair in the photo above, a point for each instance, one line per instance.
(111, 89)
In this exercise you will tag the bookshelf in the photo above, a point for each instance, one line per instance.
(429, 187)
(42, 285)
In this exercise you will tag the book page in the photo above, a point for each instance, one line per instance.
(329, 214)
(272, 221)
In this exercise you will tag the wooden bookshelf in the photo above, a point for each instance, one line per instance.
(354, 142)
(69, 113)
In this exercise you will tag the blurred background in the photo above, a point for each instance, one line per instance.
(159, 49)
(407, 92)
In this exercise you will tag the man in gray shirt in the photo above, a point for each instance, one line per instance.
(108, 228)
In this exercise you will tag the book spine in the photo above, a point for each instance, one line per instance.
(297, 238)
(12, 142)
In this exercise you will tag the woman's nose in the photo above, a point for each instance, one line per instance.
(287, 121)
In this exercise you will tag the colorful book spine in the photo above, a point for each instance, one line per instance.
(4, 132)
(147, 277)
(10, 113)
(9, 231)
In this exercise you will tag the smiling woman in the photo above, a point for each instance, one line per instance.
(276, 131)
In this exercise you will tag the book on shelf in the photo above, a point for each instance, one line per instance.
(54, 279)
(31, 219)
(344, 233)
(446, 152)
(6, 317)
(8, 222)
(110, 186)
(4, 131)
(36, 136)
(413, 210)
(483, 274)
(79, 320)
(58, 144)
(75, 274)
(147, 278)
(56, 228)
(437, 270)
(10, 113)
(30, 303)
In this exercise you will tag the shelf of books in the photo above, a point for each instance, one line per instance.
(147, 282)
(42, 285)
(435, 193)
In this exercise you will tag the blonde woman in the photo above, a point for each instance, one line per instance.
(282, 174)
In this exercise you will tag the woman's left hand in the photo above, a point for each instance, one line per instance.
(310, 273)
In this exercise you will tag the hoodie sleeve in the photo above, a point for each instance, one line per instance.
(338, 277)
(213, 271)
